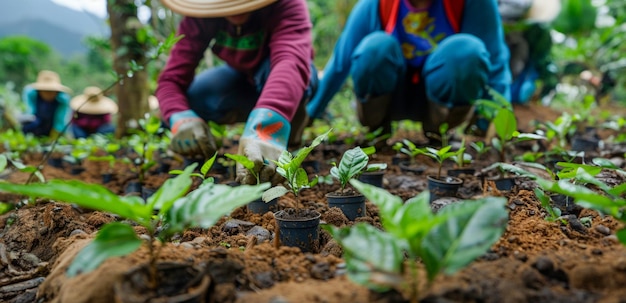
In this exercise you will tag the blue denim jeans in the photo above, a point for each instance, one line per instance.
(224, 95)
(82, 133)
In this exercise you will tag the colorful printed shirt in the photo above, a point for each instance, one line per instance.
(480, 18)
(91, 123)
(280, 31)
(419, 31)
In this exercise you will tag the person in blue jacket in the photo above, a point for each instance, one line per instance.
(423, 60)
(527, 34)
(47, 105)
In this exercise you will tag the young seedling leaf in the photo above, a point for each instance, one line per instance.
(274, 192)
(469, 231)
(352, 163)
(373, 257)
(241, 159)
(171, 190)
(204, 206)
(3, 162)
(91, 196)
(207, 165)
(113, 240)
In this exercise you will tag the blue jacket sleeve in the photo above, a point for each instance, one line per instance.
(363, 20)
(63, 113)
(481, 19)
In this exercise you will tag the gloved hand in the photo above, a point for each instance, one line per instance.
(264, 138)
(191, 135)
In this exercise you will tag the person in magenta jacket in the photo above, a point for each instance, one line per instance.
(266, 78)
(422, 60)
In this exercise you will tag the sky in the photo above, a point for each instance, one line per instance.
(96, 7)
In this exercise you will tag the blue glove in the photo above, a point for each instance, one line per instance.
(191, 135)
(264, 138)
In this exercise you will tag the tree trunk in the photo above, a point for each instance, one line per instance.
(132, 91)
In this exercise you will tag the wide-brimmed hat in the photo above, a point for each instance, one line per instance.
(49, 81)
(214, 8)
(544, 10)
(93, 102)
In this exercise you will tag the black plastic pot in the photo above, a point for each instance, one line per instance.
(586, 144)
(135, 188)
(444, 186)
(76, 170)
(56, 162)
(106, 178)
(373, 178)
(505, 184)
(313, 164)
(261, 207)
(352, 206)
(406, 166)
(299, 228)
(461, 171)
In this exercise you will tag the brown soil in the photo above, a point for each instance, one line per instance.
(534, 261)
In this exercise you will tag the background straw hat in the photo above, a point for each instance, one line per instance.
(93, 102)
(544, 10)
(215, 8)
(49, 81)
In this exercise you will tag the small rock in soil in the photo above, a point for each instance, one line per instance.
(443, 202)
(544, 265)
(520, 256)
(264, 279)
(278, 299)
(321, 271)
(234, 226)
(260, 233)
(603, 229)
(596, 251)
(77, 232)
(575, 224)
(532, 279)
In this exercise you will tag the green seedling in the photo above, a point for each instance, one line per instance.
(352, 163)
(443, 135)
(247, 164)
(461, 158)
(204, 170)
(440, 155)
(445, 242)
(169, 211)
(554, 213)
(290, 167)
(480, 147)
(410, 149)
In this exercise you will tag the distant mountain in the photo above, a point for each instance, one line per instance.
(60, 27)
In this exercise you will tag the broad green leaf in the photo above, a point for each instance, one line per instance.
(204, 206)
(241, 159)
(171, 190)
(152, 125)
(113, 240)
(304, 152)
(5, 207)
(91, 196)
(545, 203)
(207, 165)
(3, 162)
(505, 124)
(526, 137)
(302, 178)
(470, 230)
(387, 203)
(370, 150)
(373, 257)
(376, 167)
(274, 192)
(352, 163)
(602, 162)
(621, 235)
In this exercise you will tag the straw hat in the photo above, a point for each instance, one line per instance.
(544, 10)
(49, 81)
(93, 102)
(214, 8)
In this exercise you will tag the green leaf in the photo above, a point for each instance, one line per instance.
(470, 230)
(505, 124)
(241, 159)
(621, 236)
(113, 240)
(352, 163)
(3, 162)
(207, 165)
(5, 207)
(304, 152)
(373, 257)
(204, 206)
(387, 203)
(91, 196)
(274, 192)
(171, 190)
